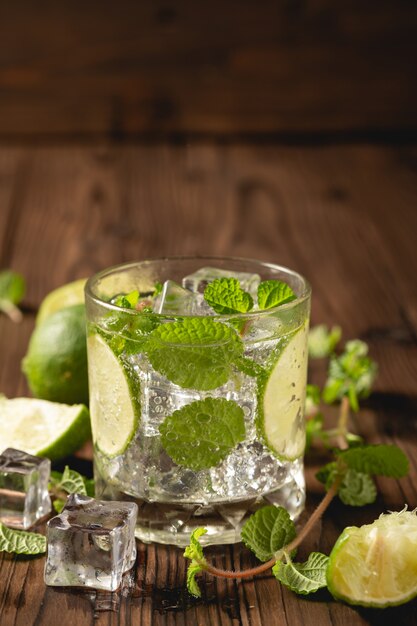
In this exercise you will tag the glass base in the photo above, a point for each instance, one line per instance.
(173, 522)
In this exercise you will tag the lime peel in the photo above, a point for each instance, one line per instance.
(375, 565)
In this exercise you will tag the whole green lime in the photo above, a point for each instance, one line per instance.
(56, 362)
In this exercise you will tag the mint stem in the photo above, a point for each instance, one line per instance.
(254, 571)
(11, 311)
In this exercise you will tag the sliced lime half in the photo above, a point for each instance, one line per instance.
(281, 400)
(376, 564)
(114, 398)
(60, 298)
(41, 427)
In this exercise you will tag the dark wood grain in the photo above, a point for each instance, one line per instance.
(103, 68)
(343, 216)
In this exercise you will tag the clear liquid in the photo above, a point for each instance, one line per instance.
(174, 500)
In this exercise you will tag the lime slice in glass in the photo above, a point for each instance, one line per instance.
(376, 565)
(114, 398)
(41, 427)
(281, 400)
(67, 295)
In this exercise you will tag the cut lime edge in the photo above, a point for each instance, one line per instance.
(262, 384)
(132, 389)
(330, 579)
(72, 434)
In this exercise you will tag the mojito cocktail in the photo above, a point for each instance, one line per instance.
(197, 373)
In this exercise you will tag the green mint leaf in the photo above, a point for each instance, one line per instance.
(351, 374)
(328, 474)
(12, 290)
(357, 489)
(194, 552)
(303, 578)
(59, 504)
(314, 428)
(267, 531)
(226, 296)
(158, 289)
(249, 367)
(381, 460)
(21, 541)
(203, 433)
(322, 341)
(127, 301)
(195, 353)
(272, 293)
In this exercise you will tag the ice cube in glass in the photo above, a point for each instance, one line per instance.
(91, 543)
(175, 300)
(24, 497)
(198, 281)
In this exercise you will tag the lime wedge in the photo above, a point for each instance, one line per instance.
(114, 398)
(67, 295)
(281, 400)
(41, 427)
(376, 565)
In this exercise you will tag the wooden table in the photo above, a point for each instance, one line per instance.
(344, 216)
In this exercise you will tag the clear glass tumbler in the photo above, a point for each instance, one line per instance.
(196, 416)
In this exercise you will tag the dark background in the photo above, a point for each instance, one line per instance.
(294, 69)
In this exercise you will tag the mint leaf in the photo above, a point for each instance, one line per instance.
(357, 489)
(203, 433)
(12, 290)
(303, 578)
(267, 531)
(272, 293)
(21, 541)
(328, 474)
(195, 353)
(351, 374)
(194, 552)
(226, 296)
(382, 460)
(322, 341)
(127, 301)
(249, 367)
(68, 482)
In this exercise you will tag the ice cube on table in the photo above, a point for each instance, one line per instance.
(91, 543)
(199, 280)
(24, 497)
(175, 300)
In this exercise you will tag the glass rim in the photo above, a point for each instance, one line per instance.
(89, 293)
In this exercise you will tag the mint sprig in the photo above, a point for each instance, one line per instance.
(12, 290)
(303, 578)
(322, 341)
(267, 531)
(70, 481)
(272, 293)
(194, 552)
(194, 353)
(351, 374)
(203, 433)
(226, 296)
(21, 541)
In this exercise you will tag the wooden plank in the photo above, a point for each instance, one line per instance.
(77, 210)
(206, 67)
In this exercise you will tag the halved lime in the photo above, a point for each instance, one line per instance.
(281, 400)
(376, 564)
(41, 427)
(114, 398)
(67, 295)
